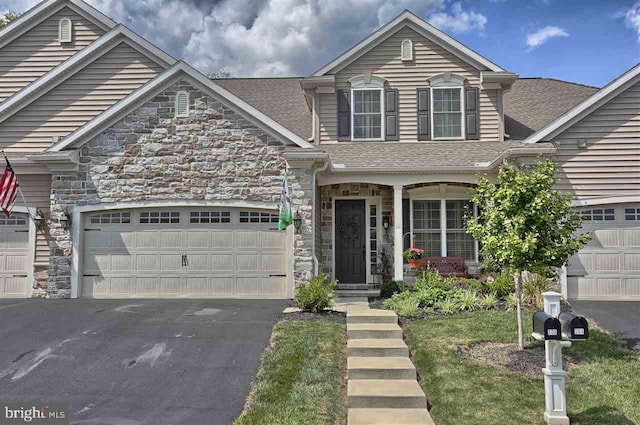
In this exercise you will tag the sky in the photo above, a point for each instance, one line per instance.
(585, 41)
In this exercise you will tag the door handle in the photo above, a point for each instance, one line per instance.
(185, 260)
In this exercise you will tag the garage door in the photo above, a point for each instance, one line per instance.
(200, 253)
(14, 254)
(608, 268)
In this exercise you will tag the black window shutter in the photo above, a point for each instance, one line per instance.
(472, 113)
(391, 114)
(344, 114)
(424, 116)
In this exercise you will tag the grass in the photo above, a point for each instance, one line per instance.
(301, 379)
(602, 390)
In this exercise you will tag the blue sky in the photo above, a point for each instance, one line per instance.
(585, 41)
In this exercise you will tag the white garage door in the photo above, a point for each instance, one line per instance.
(608, 268)
(14, 254)
(184, 252)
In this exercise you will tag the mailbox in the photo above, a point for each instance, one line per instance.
(547, 326)
(573, 326)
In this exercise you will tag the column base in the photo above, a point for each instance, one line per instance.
(556, 420)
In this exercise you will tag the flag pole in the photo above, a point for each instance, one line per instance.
(20, 192)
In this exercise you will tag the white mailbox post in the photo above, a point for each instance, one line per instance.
(554, 376)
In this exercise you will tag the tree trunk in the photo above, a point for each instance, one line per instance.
(517, 277)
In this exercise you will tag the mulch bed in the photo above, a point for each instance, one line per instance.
(528, 362)
(332, 316)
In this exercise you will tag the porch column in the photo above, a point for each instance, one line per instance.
(397, 233)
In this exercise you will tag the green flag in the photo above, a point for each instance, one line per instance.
(285, 206)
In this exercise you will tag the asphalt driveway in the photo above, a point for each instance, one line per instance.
(130, 362)
(619, 317)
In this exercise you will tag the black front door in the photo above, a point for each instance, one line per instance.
(351, 240)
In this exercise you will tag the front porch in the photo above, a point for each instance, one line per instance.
(363, 228)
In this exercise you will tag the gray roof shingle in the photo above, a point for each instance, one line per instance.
(281, 99)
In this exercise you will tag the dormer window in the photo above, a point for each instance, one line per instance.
(406, 50)
(65, 30)
(182, 104)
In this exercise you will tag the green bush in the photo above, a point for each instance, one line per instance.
(447, 306)
(406, 307)
(387, 289)
(533, 287)
(430, 278)
(512, 302)
(489, 301)
(469, 283)
(316, 295)
(430, 296)
(503, 285)
(467, 300)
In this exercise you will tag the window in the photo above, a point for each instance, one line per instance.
(406, 50)
(65, 30)
(373, 238)
(600, 214)
(632, 214)
(111, 218)
(182, 104)
(258, 217)
(210, 217)
(160, 217)
(367, 114)
(426, 227)
(459, 243)
(447, 113)
(16, 220)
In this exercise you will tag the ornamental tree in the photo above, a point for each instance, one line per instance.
(6, 18)
(525, 225)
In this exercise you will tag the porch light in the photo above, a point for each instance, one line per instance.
(385, 222)
(37, 220)
(297, 221)
(64, 220)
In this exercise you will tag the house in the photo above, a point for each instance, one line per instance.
(145, 178)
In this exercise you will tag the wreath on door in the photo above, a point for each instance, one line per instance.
(350, 230)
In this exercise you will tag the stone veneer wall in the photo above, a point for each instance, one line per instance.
(354, 190)
(214, 154)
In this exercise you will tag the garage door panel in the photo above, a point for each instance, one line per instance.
(606, 262)
(222, 240)
(121, 263)
(97, 263)
(632, 238)
(247, 240)
(248, 285)
(247, 262)
(13, 286)
(273, 240)
(631, 261)
(171, 285)
(171, 239)
(17, 240)
(147, 239)
(171, 262)
(607, 238)
(147, 262)
(273, 286)
(222, 285)
(123, 240)
(198, 239)
(121, 285)
(97, 239)
(631, 288)
(272, 262)
(580, 263)
(198, 262)
(146, 286)
(222, 262)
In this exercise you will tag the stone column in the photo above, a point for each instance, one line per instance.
(301, 190)
(398, 272)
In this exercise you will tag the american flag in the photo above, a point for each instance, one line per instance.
(8, 189)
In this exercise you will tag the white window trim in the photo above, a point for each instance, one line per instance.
(60, 39)
(410, 57)
(186, 113)
(382, 128)
(462, 106)
(443, 224)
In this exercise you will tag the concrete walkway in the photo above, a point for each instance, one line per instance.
(382, 388)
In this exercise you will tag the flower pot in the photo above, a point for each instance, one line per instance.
(414, 264)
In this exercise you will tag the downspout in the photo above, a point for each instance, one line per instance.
(316, 263)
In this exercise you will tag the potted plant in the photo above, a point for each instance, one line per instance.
(413, 256)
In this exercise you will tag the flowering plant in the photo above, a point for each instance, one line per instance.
(413, 254)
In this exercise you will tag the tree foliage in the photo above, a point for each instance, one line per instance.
(523, 223)
(7, 18)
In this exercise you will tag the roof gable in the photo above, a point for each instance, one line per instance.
(45, 9)
(408, 19)
(601, 97)
(178, 71)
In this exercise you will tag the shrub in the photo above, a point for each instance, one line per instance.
(430, 278)
(489, 301)
(468, 283)
(401, 300)
(406, 308)
(387, 289)
(316, 295)
(512, 302)
(447, 306)
(503, 285)
(533, 287)
(467, 300)
(430, 296)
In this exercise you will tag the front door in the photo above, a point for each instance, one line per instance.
(351, 241)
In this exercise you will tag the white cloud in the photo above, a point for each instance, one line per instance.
(632, 18)
(459, 21)
(267, 37)
(543, 35)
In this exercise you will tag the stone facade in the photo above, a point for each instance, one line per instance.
(215, 154)
(353, 190)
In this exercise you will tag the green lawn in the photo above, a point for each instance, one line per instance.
(302, 377)
(603, 390)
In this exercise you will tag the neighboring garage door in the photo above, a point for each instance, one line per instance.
(14, 255)
(184, 252)
(608, 268)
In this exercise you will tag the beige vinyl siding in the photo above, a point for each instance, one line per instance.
(37, 191)
(429, 60)
(76, 101)
(37, 51)
(610, 163)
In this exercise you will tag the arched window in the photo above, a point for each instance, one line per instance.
(406, 50)
(65, 30)
(182, 104)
